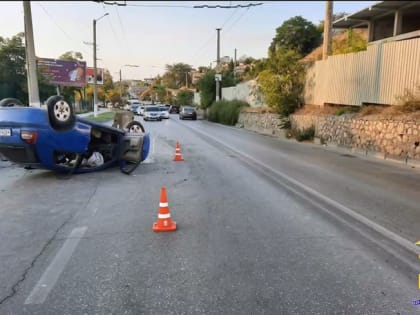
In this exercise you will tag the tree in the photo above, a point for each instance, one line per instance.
(12, 68)
(185, 97)
(282, 84)
(175, 74)
(297, 34)
(207, 88)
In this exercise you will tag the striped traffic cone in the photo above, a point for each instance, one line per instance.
(164, 222)
(178, 155)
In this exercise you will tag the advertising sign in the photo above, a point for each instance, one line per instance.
(99, 76)
(63, 72)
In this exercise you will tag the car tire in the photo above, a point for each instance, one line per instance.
(135, 126)
(60, 113)
(9, 102)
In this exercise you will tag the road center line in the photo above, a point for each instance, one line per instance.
(50, 276)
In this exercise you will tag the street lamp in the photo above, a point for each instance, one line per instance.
(95, 70)
(133, 66)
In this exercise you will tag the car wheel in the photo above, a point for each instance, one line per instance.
(60, 113)
(135, 127)
(9, 102)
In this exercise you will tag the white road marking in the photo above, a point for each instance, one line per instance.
(358, 217)
(50, 276)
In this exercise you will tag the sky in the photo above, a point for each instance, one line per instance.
(154, 34)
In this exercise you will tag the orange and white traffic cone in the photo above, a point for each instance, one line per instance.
(178, 155)
(164, 222)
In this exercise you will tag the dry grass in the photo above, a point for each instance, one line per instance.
(338, 40)
(259, 110)
(316, 110)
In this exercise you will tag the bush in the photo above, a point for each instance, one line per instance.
(305, 134)
(226, 112)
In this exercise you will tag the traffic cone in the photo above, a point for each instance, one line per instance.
(164, 222)
(178, 155)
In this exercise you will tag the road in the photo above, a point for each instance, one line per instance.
(265, 226)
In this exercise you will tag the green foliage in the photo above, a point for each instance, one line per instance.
(184, 97)
(207, 88)
(102, 117)
(305, 134)
(282, 85)
(297, 34)
(354, 42)
(12, 68)
(226, 112)
(176, 75)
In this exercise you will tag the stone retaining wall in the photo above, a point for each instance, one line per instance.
(400, 139)
(266, 123)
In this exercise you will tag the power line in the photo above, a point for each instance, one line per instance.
(52, 19)
(212, 36)
(160, 6)
(236, 21)
(227, 6)
(59, 27)
(119, 19)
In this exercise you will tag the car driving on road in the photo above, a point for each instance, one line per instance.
(188, 112)
(152, 113)
(164, 112)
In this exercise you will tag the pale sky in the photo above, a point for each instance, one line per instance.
(153, 34)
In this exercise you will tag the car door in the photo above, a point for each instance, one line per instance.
(134, 149)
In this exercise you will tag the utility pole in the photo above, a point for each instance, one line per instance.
(218, 66)
(95, 70)
(218, 46)
(33, 90)
(186, 80)
(120, 88)
(326, 47)
(234, 65)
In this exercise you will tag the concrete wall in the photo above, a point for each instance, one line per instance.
(246, 91)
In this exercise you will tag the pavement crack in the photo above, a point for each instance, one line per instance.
(14, 289)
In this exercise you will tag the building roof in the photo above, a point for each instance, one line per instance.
(380, 9)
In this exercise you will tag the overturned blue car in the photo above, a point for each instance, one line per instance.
(56, 139)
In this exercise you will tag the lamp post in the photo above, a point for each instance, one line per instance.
(133, 66)
(95, 70)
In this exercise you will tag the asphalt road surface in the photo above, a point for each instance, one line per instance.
(264, 226)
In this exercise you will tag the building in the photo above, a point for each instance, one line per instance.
(386, 20)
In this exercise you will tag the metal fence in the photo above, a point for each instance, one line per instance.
(379, 75)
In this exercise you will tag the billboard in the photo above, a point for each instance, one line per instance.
(99, 75)
(63, 72)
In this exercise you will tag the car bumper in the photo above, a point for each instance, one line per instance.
(189, 116)
(152, 118)
(20, 154)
